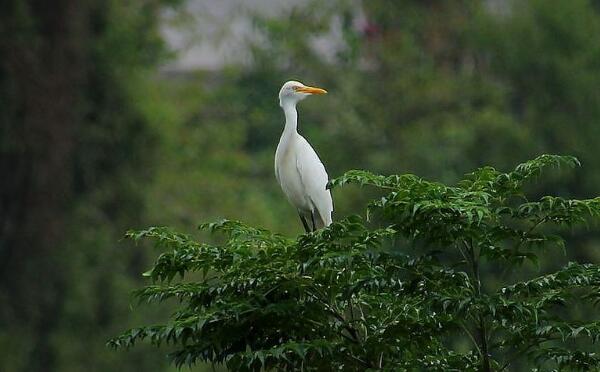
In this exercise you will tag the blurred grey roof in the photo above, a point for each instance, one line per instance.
(207, 34)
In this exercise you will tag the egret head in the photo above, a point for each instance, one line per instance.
(295, 91)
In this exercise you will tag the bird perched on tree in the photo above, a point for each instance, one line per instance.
(298, 168)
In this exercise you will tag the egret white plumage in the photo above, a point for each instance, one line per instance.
(298, 169)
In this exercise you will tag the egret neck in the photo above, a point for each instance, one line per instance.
(291, 121)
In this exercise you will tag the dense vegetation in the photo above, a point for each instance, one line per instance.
(420, 289)
(95, 139)
(75, 144)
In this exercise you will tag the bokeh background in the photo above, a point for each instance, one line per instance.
(123, 114)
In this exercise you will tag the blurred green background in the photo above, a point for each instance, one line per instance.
(123, 114)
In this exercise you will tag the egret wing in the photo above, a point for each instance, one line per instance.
(314, 179)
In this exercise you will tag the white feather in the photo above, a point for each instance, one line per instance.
(298, 169)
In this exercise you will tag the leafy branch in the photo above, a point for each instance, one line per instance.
(401, 294)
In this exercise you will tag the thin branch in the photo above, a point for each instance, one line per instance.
(522, 241)
(366, 364)
(528, 232)
(483, 334)
(351, 330)
(463, 253)
(519, 353)
(514, 357)
(363, 320)
(464, 327)
(484, 345)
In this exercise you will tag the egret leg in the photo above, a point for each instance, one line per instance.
(304, 223)
(312, 217)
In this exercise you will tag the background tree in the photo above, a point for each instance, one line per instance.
(75, 145)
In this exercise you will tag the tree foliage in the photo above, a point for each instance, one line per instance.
(76, 142)
(403, 289)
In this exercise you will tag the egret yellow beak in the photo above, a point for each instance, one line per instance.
(311, 90)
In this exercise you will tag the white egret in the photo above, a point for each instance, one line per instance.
(298, 168)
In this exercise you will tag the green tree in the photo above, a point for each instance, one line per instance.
(75, 146)
(418, 286)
